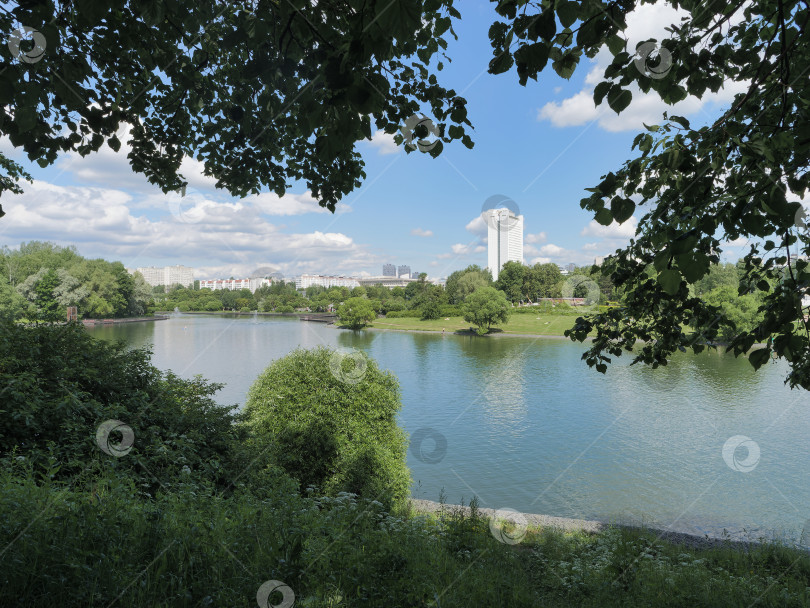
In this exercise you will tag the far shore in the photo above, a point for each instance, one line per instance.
(116, 321)
(461, 332)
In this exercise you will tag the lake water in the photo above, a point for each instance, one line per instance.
(529, 426)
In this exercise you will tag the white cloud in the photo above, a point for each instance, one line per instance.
(205, 233)
(540, 237)
(614, 231)
(384, 142)
(553, 251)
(420, 232)
(477, 226)
(109, 169)
(738, 242)
(647, 21)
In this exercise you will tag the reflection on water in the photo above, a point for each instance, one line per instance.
(529, 426)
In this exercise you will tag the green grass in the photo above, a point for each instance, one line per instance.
(190, 547)
(529, 324)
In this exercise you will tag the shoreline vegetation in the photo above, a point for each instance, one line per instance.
(211, 504)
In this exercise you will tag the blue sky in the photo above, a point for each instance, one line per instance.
(541, 145)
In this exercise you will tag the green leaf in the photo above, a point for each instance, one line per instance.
(25, 117)
(670, 281)
(618, 99)
(545, 25)
(680, 120)
(502, 63)
(616, 44)
(759, 357)
(622, 208)
(600, 91)
(694, 265)
(567, 12)
(400, 18)
(604, 217)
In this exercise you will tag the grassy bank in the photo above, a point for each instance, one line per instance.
(523, 324)
(110, 546)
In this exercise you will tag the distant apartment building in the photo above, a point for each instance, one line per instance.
(571, 267)
(504, 239)
(404, 271)
(389, 270)
(389, 282)
(168, 275)
(234, 284)
(308, 280)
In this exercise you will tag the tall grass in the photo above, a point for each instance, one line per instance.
(110, 546)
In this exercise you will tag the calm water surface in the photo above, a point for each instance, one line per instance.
(530, 427)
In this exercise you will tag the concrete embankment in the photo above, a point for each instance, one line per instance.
(565, 524)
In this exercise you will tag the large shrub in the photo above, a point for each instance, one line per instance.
(486, 307)
(356, 313)
(58, 385)
(329, 420)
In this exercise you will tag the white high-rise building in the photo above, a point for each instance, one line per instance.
(504, 239)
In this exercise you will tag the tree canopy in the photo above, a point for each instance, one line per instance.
(486, 307)
(261, 92)
(268, 92)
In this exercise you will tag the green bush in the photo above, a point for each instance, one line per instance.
(430, 310)
(285, 308)
(398, 314)
(356, 313)
(547, 308)
(486, 307)
(58, 385)
(329, 420)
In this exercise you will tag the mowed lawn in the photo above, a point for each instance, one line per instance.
(536, 325)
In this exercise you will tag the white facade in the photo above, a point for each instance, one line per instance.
(234, 284)
(308, 280)
(168, 275)
(389, 282)
(504, 239)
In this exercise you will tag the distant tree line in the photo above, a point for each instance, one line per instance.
(40, 280)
